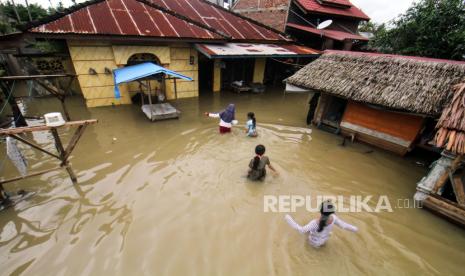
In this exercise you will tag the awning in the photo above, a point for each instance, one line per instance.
(139, 71)
(333, 34)
(251, 50)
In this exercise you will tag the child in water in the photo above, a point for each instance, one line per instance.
(320, 229)
(251, 126)
(258, 164)
(227, 118)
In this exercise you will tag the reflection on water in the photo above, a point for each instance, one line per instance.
(171, 198)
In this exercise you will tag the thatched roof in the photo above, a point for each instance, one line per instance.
(418, 85)
(451, 125)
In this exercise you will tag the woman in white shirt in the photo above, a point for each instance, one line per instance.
(227, 118)
(320, 229)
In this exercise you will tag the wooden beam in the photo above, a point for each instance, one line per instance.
(31, 144)
(19, 130)
(18, 116)
(443, 179)
(27, 176)
(74, 140)
(61, 151)
(446, 209)
(34, 77)
(457, 186)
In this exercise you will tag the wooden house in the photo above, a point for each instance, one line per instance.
(386, 100)
(443, 191)
(300, 18)
(102, 35)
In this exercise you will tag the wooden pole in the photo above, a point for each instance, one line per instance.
(18, 116)
(175, 89)
(61, 151)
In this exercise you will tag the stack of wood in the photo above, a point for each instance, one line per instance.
(451, 125)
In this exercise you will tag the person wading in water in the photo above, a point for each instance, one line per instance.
(320, 229)
(257, 166)
(227, 118)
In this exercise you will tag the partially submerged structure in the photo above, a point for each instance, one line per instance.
(147, 75)
(442, 190)
(300, 18)
(102, 35)
(386, 100)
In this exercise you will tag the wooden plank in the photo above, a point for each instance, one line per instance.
(457, 186)
(31, 144)
(446, 209)
(399, 125)
(19, 130)
(442, 180)
(34, 77)
(27, 176)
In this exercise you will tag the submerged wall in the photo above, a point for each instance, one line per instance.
(98, 90)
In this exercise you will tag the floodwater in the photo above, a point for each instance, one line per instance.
(171, 198)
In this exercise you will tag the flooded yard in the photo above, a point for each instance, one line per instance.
(171, 198)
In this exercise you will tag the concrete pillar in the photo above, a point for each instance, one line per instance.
(259, 70)
(217, 75)
(427, 183)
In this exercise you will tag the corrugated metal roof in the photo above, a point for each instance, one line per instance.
(125, 17)
(158, 18)
(333, 34)
(234, 25)
(252, 50)
(314, 6)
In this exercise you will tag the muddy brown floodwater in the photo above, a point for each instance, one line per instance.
(171, 198)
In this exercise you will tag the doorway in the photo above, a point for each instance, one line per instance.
(205, 75)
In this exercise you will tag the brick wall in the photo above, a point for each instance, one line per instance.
(272, 13)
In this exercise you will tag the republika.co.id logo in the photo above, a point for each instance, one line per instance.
(343, 204)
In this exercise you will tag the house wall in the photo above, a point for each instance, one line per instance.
(98, 90)
(259, 70)
(389, 130)
(272, 13)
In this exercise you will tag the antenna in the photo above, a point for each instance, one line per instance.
(325, 24)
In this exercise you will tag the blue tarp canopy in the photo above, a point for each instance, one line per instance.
(140, 71)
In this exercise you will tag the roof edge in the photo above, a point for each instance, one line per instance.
(57, 15)
(394, 56)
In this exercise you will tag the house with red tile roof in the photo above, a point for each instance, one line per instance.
(300, 18)
(193, 37)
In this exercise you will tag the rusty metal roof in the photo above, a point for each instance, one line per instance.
(197, 19)
(232, 24)
(333, 34)
(351, 11)
(124, 17)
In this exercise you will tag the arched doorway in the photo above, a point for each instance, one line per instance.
(154, 88)
(141, 58)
